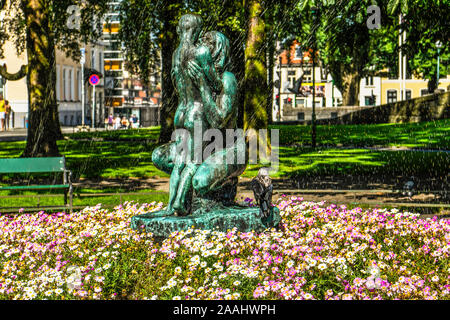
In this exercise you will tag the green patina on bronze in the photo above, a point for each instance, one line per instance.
(202, 194)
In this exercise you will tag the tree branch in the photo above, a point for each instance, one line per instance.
(2, 4)
(13, 76)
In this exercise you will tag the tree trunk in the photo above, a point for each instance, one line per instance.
(255, 83)
(347, 80)
(238, 69)
(169, 100)
(270, 88)
(43, 121)
(350, 93)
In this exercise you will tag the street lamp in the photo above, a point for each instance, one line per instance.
(438, 47)
(314, 12)
(82, 62)
(279, 94)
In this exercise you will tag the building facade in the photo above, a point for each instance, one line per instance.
(383, 90)
(126, 94)
(291, 67)
(68, 86)
(295, 64)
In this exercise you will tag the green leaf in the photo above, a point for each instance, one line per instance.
(392, 6)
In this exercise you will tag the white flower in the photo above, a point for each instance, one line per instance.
(178, 270)
(370, 284)
(236, 283)
(322, 266)
(290, 264)
(307, 296)
(176, 298)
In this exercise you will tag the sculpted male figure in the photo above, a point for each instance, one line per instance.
(199, 74)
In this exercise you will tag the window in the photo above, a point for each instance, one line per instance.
(369, 100)
(369, 81)
(100, 62)
(298, 52)
(334, 115)
(72, 85)
(423, 92)
(78, 85)
(291, 73)
(65, 120)
(291, 81)
(391, 96)
(58, 83)
(408, 95)
(93, 59)
(287, 101)
(64, 85)
(300, 102)
(300, 116)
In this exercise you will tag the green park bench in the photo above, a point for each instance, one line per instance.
(40, 165)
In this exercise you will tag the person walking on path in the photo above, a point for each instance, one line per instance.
(2, 113)
(131, 122)
(117, 123)
(110, 121)
(7, 114)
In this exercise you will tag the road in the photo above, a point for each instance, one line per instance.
(20, 134)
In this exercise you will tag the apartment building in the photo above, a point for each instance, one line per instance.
(125, 93)
(68, 86)
(294, 65)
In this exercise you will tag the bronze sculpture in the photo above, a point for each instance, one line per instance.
(202, 193)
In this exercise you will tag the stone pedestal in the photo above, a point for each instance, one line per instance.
(219, 218)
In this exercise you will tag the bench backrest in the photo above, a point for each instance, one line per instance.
(24, 165)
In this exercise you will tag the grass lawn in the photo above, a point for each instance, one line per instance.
(80, 199)
(426, 135)
(127, 153)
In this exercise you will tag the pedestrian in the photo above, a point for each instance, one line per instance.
(7, 114)
(2, 113)
(117, 122)
(131, 122)
(124, 123)
(110, 121)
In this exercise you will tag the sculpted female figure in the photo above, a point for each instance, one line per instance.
(199, 74)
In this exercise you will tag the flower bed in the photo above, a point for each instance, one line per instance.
(321, 252)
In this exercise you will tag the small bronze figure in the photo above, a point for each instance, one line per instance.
(262, 189)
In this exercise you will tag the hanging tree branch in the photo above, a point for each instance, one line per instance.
(13, 76)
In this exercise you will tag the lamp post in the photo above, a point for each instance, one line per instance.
(82, 61)
(279, 95)
(314, 12)
(438, 47)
